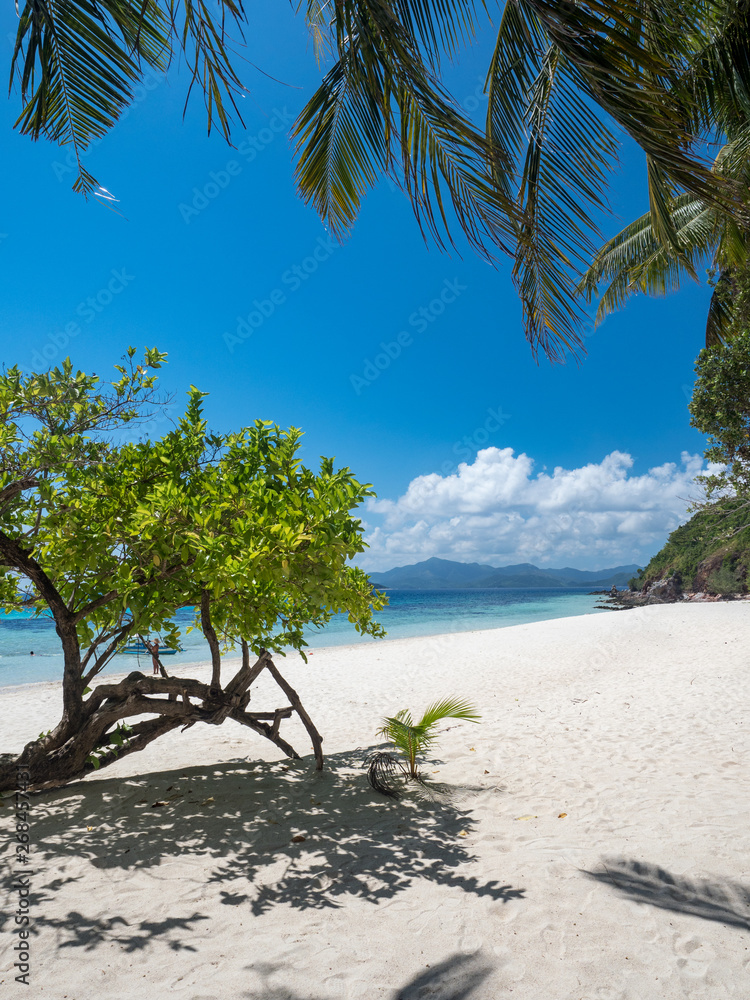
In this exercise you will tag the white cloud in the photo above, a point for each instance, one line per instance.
(496, 510)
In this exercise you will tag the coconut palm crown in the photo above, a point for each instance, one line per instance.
(564, 83)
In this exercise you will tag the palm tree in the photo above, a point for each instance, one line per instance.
(636, 260)
(641, 258)
(561, 78)
(411, 740)
(527, 183)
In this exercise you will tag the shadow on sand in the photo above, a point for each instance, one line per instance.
(263, 833)
(455, 978)
(722, 900)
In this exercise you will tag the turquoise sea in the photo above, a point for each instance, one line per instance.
(410, 613)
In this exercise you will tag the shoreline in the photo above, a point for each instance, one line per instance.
(587, 838)
(443, 626)
(232, 662)
(318, 649)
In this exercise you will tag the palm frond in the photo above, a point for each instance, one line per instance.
(318, 23)
(715, 84)
(413, 740)
(381, 108)
(719, 318)
(661, 195)
(514, 67)
(341, 141)
(76, 62)
(608, 43)
(445, 163)
(568, 154)
(448, 708)
(562, 66)
(635, 260)
(438, 26)
(204, 33)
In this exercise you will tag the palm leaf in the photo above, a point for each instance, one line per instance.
(415, 739)
(438, 26)
(341, 140)
(203, 32)
(381, 108)
(719, 319)
(637, 261)
(715, 84)
(661, 195)
(76, 62)
(568, 154)
(448, 708)
(609, 43)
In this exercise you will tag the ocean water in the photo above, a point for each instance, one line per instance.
(409, 613)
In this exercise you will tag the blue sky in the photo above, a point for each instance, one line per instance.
(211, 235)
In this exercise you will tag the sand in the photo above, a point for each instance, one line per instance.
(589, 840)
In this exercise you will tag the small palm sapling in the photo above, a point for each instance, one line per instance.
(411, 740)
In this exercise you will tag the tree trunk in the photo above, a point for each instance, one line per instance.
(211, 638)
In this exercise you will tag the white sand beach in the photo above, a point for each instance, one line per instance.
(589, 840)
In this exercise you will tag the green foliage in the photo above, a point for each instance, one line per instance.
(110, 745)
(412, 740)
(530, 184)
(77, 64)
(128, 533)
(640, 259)
(562, 82)
(720, 408)
(683, 230)
(715, 533)
(725, 581)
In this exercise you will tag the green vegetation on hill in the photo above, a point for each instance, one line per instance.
(710, 553)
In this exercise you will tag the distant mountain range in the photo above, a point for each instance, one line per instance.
(443, 574)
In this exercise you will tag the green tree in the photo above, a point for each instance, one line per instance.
(720, 408)
(112, 539)
(683, 232)
(639, 259)
(528, 182)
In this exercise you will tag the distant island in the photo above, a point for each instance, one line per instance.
(444, 574)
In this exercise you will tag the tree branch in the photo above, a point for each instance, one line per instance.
(317, 739)
(13, 489)
(101, 661)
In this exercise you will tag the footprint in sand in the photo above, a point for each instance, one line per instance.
(694, 956)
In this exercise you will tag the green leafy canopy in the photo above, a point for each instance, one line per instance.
(128, 533)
